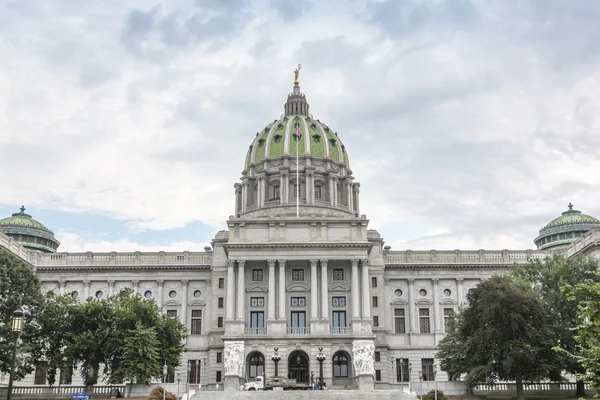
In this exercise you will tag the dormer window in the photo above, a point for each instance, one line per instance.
(266, 129)
(250, 147)
(326, 129)
(280, 126)
(277, 138)
(343, 148)
(261, 142)
(313, 126)
(332, 141)
(316, 138)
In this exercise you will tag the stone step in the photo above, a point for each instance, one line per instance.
(307, 394)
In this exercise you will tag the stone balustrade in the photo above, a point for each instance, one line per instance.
(588, 239)
(475, 257)
(129, 258)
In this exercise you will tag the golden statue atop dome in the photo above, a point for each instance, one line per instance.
(296, 73)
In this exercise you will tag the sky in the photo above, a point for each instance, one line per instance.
(469, 123)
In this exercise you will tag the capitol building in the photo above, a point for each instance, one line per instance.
(297, 274)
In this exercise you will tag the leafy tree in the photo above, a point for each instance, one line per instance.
(587, 348)
(19, 290)
(546, 278)
(501, 335)
(140, 361)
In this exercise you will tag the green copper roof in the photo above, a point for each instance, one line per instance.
(21, 219)
(572, 217)
(563, 230)
(28, 232)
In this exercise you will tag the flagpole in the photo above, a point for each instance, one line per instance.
(297, 176)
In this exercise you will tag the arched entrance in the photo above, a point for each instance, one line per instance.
(341, 368)
(298, 367)
(256, 365)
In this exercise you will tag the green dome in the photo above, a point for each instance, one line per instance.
(29, 232)
(279, 138)
(564, 229)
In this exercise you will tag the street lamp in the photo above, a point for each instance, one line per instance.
(276, 358)
(320, 359)
(178, 378)
(17, 328)
(165, 369)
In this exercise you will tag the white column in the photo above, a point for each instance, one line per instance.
(324, 291)
(366, 314)
(271, 295)
(282, 314)
(184, 302)
(111, 288)
(355, 290)
(238, 201)
(160, 285)
(436, 306)
(357, 203)
(314, 296)
(460, 291)
(230, 289)
(350, 198)
(244, 195)
(412, 318)
(331, 191)
(61, 287)
(241, 291)
(86, 289)
(281, 183)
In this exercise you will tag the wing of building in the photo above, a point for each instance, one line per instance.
(297, 273)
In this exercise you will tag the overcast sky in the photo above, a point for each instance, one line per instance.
(469, 124)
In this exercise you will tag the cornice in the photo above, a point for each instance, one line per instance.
(446, 265)
(105, 268)
(280, 245)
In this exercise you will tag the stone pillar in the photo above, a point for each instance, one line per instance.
(357, 202)
(366, 313)
(238, 200)
(135, 284)
(86, 289)
(282, 314)
(271, 310)
(160, 299)
(437, 322)
(244, 195)
(241, 291)
(335, 192)
(412, 317)
(332, 190)
(184, 302)
(314, 310)
(349, 195)
(281, 183)
(460, 295)
(230, 290)
(355, 291)
(324, 291)
(111, 288)
(61, 286)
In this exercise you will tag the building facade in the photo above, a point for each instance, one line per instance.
(297, 274)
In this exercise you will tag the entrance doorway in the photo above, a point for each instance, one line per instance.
(298, 367)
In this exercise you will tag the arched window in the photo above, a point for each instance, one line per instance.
(340, 365)
(256, 365)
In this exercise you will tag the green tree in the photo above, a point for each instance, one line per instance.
(140, 361)
(19, 290)
(501, 335)
(546, 278)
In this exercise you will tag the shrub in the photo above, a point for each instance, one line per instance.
(157, 394)
(431, 395)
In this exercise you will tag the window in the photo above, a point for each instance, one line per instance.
(339, 319)
(257, 274)
(197, 293)
(375, 320)
(424, 320)
(257, 319)
(40, 373)
(170, 378)
(378, 375)
(219, 322)
(297, 274)
(172, 294)
(257, 301)
(220, 302)
(298, 301)
(448, 314)
(399, 321)
(423, 292)
(219, 358)
(398, 293)
(99, 294)
(340, 365)
(196, 322)
(194, 368)
(221, 283)
(338, 301)
(338, 274)
(218, 376)
(66, 375)
(374, 281)
(275, 192)
(447, 292)
(402, 373)
(256, 365)
(298, 321)
(172, 313)
(317, 192)
(375, 301)
(295, 190)
(148, 294)
(427, 369)
(377, 356)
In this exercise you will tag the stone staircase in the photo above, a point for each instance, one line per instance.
(306, 395)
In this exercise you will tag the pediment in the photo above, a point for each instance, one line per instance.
(172, 302)
(298, 287)
(447, 301)
(257, 288)
(399, 302)
(423, 301)
(339, 288)
(196, 302)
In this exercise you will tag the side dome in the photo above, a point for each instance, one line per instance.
(29, 233)
(561, 231)
(296, 131)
